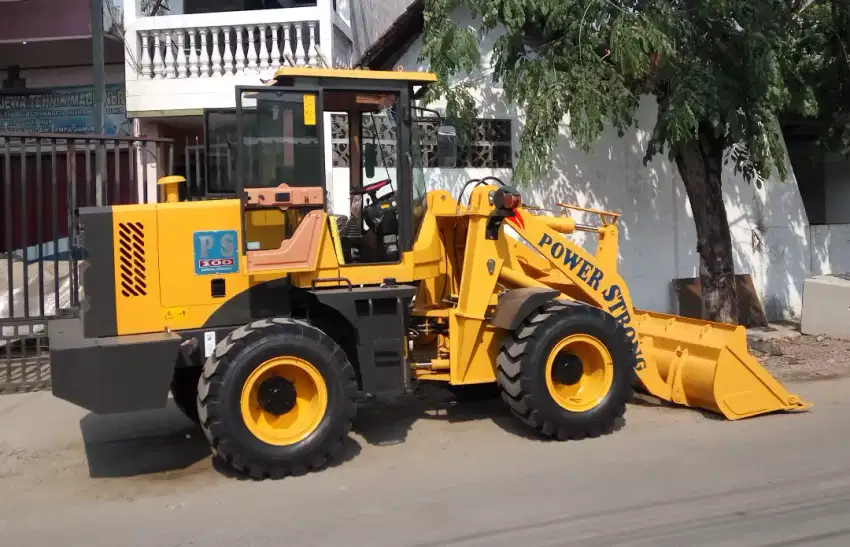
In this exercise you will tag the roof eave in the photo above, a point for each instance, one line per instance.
(392, 44)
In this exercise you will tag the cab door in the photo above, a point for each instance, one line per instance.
(281, 177)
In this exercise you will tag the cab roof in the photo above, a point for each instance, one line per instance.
(416, 78)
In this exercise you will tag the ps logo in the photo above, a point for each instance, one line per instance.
(216, 252)
(227, 245)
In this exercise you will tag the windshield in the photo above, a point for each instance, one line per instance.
(280, 139)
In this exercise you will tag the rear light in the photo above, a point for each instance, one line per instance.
(512, 201)
(507, 198)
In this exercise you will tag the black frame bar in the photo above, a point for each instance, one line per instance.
(205, 191)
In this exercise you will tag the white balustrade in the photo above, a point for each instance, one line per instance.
(286, 45)
(193, 56)
(252, 52)
(146, 55)
(158, 65)
(206, 51)
(299, 47)
(216, 54)
(312, 57)
(264, 51)
(228, 53)
(240, 53)
(275, 60)
(181, 56)
(170, 71)
(204, 58)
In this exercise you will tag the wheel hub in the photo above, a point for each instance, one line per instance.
(567, 368)
(276, 395)
(579, 372)
(283, 400)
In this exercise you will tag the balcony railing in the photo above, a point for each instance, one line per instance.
(252, 42)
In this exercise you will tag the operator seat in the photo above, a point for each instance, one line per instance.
(358, 245)
(352, 225)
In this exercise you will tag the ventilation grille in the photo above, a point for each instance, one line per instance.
(131, 247)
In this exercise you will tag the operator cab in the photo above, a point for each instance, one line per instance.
(368, 226)
(282, 176)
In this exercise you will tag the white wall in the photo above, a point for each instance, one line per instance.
(658, 239)
(148, 162)
(830, 249)
(60, 77)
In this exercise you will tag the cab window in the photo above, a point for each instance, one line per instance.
(280, 139)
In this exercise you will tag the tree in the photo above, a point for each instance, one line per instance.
(155, 7)
(820, 69)
(717, 69)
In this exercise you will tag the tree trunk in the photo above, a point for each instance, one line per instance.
(700, 164)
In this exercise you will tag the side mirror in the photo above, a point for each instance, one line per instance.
(446, 146)
(370, 158)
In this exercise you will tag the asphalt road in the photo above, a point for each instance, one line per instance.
(412, 477)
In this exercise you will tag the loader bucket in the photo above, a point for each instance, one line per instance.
(708, 365)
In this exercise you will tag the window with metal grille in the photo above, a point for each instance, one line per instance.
(490, 148)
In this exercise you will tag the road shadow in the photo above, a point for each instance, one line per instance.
(141, 443)
(350, 449)
(165, 441)
(648, 401)
(386, 424)
(159, 441)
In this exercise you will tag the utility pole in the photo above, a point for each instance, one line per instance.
(99, 80)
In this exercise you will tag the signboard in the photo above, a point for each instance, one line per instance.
(63, 110)
(215, 252)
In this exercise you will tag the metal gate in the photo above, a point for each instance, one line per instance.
(44, 179)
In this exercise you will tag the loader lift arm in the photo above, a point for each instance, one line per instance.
(680, 360)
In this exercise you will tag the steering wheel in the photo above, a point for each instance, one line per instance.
(371, 189)
(380, 216)
(382, 212)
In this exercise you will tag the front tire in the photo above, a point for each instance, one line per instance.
(567, 370)
(277, 397)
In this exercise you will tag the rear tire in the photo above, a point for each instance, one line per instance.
(277, 398)
(567, 370)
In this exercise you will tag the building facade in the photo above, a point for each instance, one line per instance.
(185, 57)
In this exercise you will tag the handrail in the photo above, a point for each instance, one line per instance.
(602, 214)
(226, 19)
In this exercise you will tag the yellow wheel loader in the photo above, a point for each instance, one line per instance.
(269, 319)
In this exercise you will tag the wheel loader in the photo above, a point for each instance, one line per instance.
(270, 320)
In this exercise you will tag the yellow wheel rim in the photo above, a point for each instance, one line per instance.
(283, 400)
(579, 372)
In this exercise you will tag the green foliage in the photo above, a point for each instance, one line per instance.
(725, 62)
(819, 69)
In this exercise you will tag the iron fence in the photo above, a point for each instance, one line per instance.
(44, 179)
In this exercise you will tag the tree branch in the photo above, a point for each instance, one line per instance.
(801, 5)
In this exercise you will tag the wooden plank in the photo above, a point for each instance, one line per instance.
(688, 292)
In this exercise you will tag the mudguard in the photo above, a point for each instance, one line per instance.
(517, 304)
